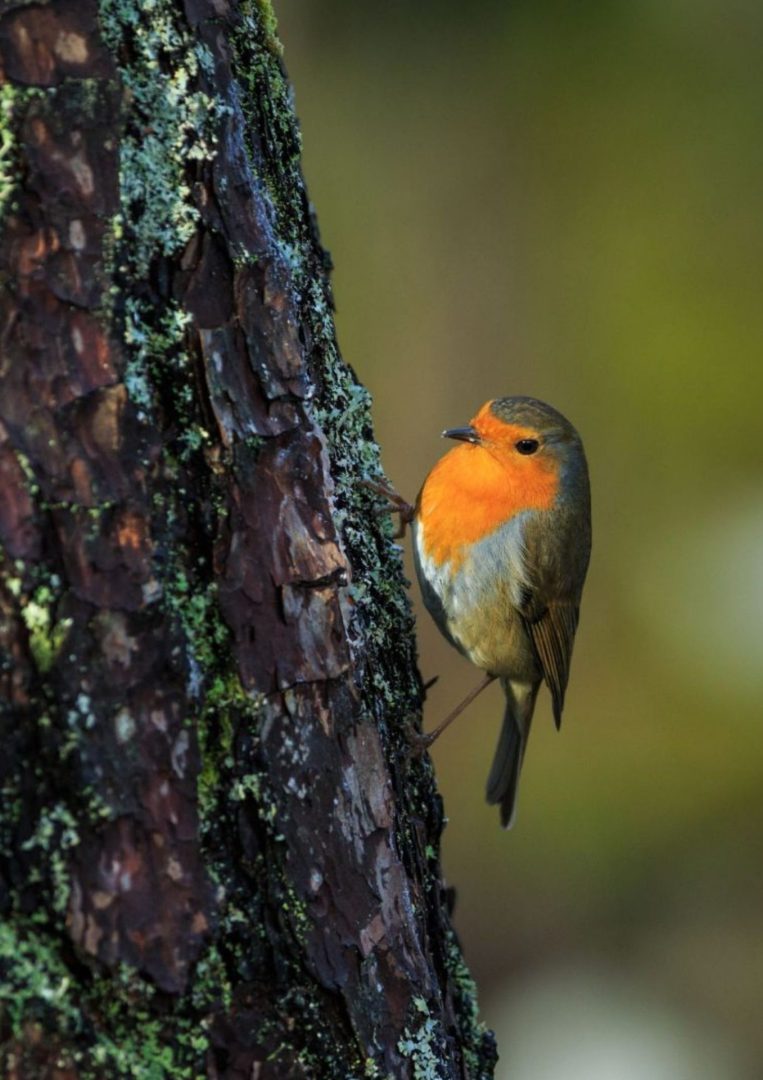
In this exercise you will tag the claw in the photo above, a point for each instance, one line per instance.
(396, 504)
(426, 740)
(418, 742)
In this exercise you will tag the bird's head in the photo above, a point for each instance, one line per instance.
(527, 437)
(517, 454)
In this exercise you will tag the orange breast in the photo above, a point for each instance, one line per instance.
(471, 492)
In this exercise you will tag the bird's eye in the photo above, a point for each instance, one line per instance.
(527, 446)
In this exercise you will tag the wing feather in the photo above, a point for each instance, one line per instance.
(555, 559)
(552, 634)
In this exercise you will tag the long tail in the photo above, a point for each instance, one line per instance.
(507, 763)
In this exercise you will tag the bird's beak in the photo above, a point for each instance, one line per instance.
(463, 434)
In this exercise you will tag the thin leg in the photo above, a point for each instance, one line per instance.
(396, 504)
(424, 741)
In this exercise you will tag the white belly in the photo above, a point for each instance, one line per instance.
(476, 607)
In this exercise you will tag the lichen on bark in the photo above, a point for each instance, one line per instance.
(216, 855)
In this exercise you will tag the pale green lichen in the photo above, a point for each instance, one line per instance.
(172, 122)
(13, 100)
(295, 911)
(124, 725)
(473, 1031)
(268, 108)
(35, 981)
(196, 607)
(14, 585)
(31, 482)
(80, 719)
(56, 833)
(157, 351)
(134, 1041)
(421, 1042)
(226, 702)
(8, 177)
(46, 635)
(36, 987)
(211, 982)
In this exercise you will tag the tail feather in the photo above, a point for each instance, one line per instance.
(504, 775)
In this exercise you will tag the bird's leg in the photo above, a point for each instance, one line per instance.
(422, 741)
(396, 504)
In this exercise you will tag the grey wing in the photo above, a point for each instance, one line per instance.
(552, 633)
(550, 601)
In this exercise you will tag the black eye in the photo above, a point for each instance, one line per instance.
(527, 446)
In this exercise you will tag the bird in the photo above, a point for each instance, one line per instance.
(501, 542)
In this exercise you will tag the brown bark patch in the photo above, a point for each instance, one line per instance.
(41, 45)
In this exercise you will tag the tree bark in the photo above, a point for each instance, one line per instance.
(216, 856)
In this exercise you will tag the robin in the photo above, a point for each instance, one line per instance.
(502, 539)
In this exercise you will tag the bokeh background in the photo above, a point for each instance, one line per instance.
(566, 200)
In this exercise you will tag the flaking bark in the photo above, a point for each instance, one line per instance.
(216, 857)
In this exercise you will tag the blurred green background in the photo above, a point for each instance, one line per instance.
(566, 200)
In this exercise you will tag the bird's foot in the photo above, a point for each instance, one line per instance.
(395, 504)
(418, 741)
(421, 741)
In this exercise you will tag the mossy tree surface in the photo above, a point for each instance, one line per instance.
(216, 857)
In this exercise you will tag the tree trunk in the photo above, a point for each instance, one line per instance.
(216, 857)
